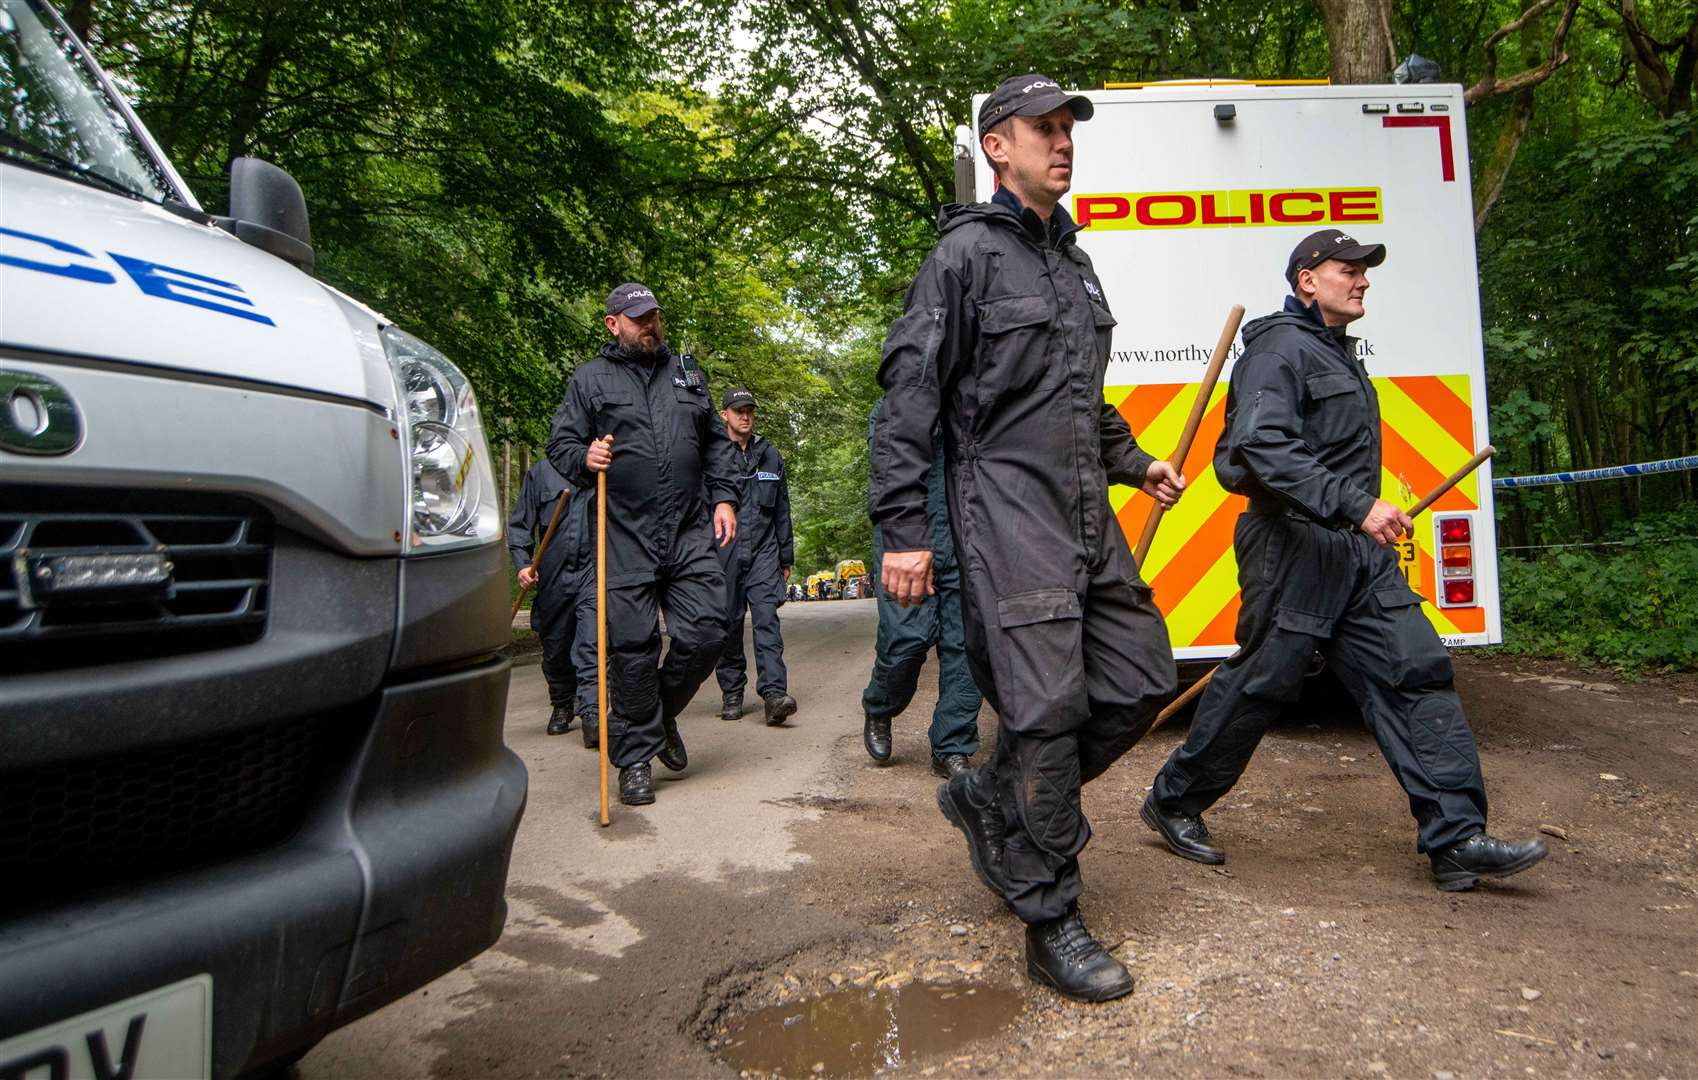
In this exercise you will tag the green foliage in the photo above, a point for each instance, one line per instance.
(1631, 605)
(482, 171)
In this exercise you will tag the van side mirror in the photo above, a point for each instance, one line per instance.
(268, 211)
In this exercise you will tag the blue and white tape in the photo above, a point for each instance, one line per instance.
(1615, 472)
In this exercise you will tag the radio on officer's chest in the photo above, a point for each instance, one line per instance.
(689, 375)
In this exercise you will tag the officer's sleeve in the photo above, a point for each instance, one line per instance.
(786, 538)
(1125, 462)
(1266, 438)
(719, 459)
(921, 354)
(569, 436)
(521, 527)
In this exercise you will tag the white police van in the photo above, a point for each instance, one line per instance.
(252, 597)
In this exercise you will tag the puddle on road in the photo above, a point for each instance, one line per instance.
(854, 1032)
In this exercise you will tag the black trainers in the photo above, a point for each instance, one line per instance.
(636, 784)
(1461, 866)
(591, 730)
(876, 738)
(983, 827)
(673, 755)
(560, 720)
(1062, 955)
(779, 708)
(733, 707)
(947, 765)
(1186, 837)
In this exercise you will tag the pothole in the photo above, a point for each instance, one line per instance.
(857, 1032)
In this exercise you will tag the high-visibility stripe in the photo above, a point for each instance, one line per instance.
(1145, 403)
(1225, 625)
(1204, 545)
(1436, 396)
(1189, 614)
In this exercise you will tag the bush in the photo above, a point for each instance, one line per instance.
(1631, 605)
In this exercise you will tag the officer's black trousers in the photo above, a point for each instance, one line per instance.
(753, 580)
(1076, 677)
(905, 636)
(1308, 588)
(691, 590)
(565, 622)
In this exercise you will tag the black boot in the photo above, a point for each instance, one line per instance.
(636, 784)
(673, 756)
(592, 732)
(779, 707)
(876, 737)
(982, 825)
(733, 709)
(560, 720)
(947, 765)
(1062, 954)
(1185, 836)
(1461, 866)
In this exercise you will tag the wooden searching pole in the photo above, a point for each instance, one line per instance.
(1192, 423)
(601, 629)
(542, 546)
(1415, 511)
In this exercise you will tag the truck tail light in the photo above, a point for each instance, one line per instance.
(1456, 560)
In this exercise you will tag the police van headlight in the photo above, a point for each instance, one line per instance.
(450, 484)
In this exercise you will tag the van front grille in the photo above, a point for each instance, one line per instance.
(210, 561)
(76, 826)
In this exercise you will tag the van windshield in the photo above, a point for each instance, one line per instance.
(55, 114)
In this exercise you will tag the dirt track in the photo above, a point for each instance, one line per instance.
(784, 858)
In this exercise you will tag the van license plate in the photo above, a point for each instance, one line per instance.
(165, 1034)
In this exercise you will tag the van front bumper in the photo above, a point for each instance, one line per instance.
(397, 876)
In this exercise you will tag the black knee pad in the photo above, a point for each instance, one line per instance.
(637, 686)
(1048, 795)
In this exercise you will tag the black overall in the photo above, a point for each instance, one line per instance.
(1004, 340)
(669, 448)
(1302, 440)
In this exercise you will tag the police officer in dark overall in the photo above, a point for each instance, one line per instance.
(1004, 341)
(642, 415)
(907, 634)
(756, 564)
(1302, 441)
(563, 599)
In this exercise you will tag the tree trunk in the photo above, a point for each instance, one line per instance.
(79, 16)
(1358, 39)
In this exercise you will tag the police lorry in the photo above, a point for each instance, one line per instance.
(1190, 196)
(252, 596)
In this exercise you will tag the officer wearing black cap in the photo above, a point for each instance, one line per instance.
(1004, 342)
(643, 415)
(756, 566)
(1302, 441)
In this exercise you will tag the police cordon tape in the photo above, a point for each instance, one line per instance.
(1614, 472)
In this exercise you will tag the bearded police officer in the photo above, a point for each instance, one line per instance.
(563, 601)
(1004, 341)
(643, 416)
(1302, 441)
(756, 564)
(907, 634)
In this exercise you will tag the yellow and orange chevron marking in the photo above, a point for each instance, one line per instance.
(1427, 424)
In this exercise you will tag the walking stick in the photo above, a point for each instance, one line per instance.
(1415, 511)
(536, 557)
(601, 629)
(1192, 423)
